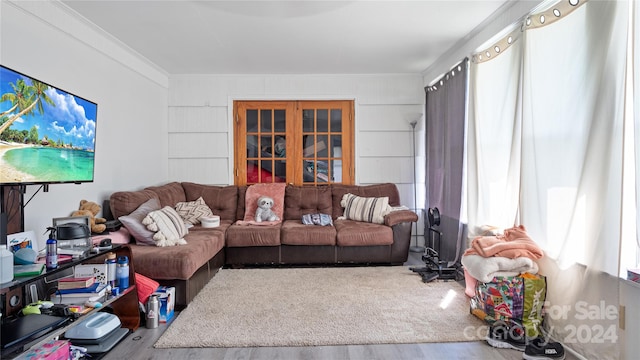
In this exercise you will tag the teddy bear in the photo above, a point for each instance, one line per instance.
(91, 209)
(264, 212)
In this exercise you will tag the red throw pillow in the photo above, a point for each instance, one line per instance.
(145, 287)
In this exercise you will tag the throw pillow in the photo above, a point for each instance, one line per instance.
(193, 211)
(133, 222)
(367, 209)
(272, 190)
(168, 227)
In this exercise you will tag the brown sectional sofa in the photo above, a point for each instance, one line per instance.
(189, 267)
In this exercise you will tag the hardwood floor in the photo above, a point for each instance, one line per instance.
(139, 346)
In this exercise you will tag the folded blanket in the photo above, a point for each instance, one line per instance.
(253, 222)
(317, 219)
(484, 269)
(514, 243)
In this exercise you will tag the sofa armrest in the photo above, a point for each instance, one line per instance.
(400, 216)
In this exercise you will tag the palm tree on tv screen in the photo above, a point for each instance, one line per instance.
(25, 98)
(19, 97)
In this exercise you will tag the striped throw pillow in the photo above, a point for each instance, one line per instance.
(367, 209)
(168, 226)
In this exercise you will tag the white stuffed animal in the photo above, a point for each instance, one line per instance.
(264, 212)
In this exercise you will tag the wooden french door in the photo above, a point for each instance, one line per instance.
(297, 142)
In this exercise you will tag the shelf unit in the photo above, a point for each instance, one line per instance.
(125, 305)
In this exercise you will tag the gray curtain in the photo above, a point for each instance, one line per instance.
(445, 132)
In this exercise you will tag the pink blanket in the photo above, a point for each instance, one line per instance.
(272, 190)
(514, 243)
(253, 222)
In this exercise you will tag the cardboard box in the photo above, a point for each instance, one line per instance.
(167, 299)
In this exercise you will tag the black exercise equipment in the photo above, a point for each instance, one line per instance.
(435, 268)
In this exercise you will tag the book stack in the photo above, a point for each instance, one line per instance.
(76, 282)
(74, 291)
(27, 270)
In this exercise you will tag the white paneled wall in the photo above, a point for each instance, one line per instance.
(198, 144)
(200, 170)
(198, 119)
(203, 145)
(200, 125)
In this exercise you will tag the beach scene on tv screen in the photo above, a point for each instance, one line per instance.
(46, 134)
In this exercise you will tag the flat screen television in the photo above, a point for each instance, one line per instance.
(47, 135)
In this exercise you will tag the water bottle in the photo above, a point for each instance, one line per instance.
(153, 307)
(111, 269)
(122, 273)
(6, 265)
(52, 250)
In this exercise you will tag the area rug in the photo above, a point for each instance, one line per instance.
(322, 306)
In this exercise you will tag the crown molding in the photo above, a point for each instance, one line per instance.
(57, 15)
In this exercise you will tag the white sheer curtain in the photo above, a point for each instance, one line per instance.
(570, 107)
(572, 135)
(573, 112)
(493, 161)
(632, 256)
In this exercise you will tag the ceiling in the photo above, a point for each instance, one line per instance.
(288, 37)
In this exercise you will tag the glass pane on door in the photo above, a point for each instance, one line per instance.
(336, 120)
(322, 120)
(322, 146)
(336, 171)
(336, 146)
(252, 120)
(319, 137)
(308, 120)
(265, 120)
(252, 146)
(279, 120)
(280, 171)
(315, 172)
(266, 145)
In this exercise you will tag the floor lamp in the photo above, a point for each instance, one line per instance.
(415, 248)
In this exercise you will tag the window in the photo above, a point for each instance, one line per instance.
(298, 142)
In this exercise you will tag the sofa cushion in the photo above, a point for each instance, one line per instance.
(222, 200)
(125, 202)
(169, 194)
(178, 262)
(296, 233)
(367, 209)
(302, 200)
(133, 222)
(378, 190)
(253, 235)
(192, 211)
(358, 233)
